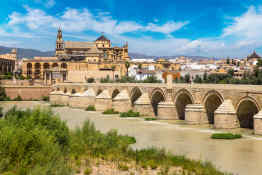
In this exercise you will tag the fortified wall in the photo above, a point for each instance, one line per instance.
(27, 92)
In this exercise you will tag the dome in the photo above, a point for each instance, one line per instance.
(102, 38)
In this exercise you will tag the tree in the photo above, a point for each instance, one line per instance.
(198, 79)
(127, 65)
(140, 66)
(259, 63)
(205, 76)
(187, 78)
(230, 73)
(228, 60)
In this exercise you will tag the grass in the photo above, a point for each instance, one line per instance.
(91, 108)
(228, 136)
(110, 111)
(45, 98)
(87, 171)
(150, 119)
(56, 105)
(130, 113)
(37, 142)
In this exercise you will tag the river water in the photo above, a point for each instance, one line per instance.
(243, 156)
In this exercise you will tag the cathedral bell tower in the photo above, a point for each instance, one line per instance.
(59, 43)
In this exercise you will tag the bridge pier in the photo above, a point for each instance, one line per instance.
(55, 97)
(90, 97)
(75, 101)
(195, 114)
(65, 98)
(225, 116)
(167, 109)
(258, 123)
(103, 101)
(83, 100)
(143, 105)
(122, 102)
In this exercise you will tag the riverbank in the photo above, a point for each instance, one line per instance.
(38, 142)
(239, 156)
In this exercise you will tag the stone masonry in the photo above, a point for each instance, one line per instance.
(220, 105)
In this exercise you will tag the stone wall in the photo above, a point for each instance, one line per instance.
(27, 92)
(220, 105)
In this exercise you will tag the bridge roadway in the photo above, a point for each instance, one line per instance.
(224, 105)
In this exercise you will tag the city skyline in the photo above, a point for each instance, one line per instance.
(217, 28)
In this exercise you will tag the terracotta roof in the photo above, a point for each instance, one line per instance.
(144, 71)
(102, 38)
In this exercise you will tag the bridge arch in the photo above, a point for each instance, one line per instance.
(99, 91)
(157, 97)
(65, 90)
(73, 91)
(182, 98)
(246, 109)
(135, 94)
(115, 93)
(212, 100)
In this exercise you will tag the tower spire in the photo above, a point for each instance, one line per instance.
(59, 35)
(59, 42)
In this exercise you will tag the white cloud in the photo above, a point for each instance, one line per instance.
(167, 28)
(46, 3)
(83, 20)
(50, 3)
(14, 34)
(248, 25)
(34, 19)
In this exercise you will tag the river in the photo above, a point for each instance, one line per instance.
(242, 156)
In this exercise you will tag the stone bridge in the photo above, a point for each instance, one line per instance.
(224, 106)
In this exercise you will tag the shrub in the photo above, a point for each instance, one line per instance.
(18, 98)
(122, 167)
(110, 111)
(152, 164)
(150, 119)
(1, 112)
(130, 113)
(226, 136)
(3, 96)
(90, 80)
(87, 171)
(33, 142)
(56, 105)
(91, 108)
(45, 98)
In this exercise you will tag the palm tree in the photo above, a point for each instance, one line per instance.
(140, 66)
(113, 69)
(127, 64)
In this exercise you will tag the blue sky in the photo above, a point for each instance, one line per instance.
(214, 28)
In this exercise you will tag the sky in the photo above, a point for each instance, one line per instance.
(212, 28)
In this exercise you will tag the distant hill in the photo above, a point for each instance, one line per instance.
(26, 53)
(137, 55)
(30, 53)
